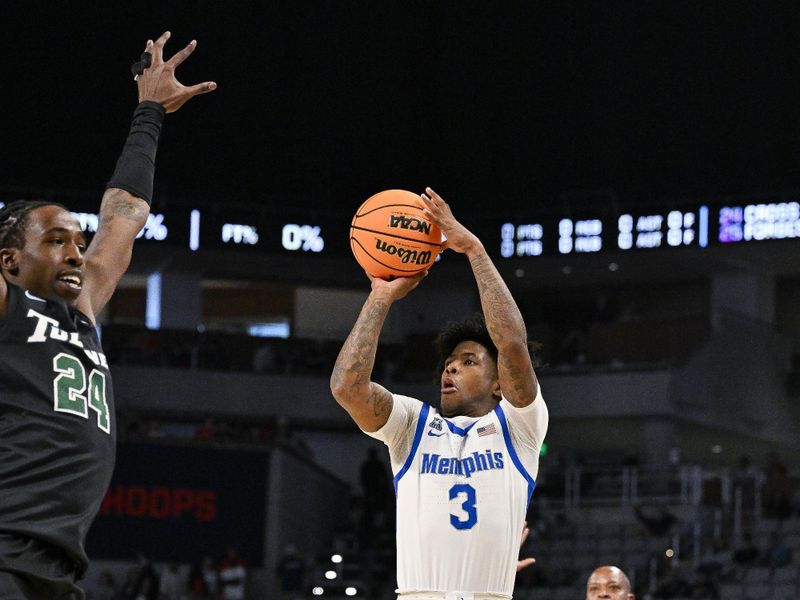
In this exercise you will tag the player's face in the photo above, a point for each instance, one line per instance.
(469, 381)
(51, 260)
(608, 583)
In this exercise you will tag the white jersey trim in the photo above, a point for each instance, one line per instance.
(421, 421)
(512, 452)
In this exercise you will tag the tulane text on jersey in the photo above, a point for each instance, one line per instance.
(48, 328)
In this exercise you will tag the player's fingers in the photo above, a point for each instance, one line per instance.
(432, 209)
(201, 88)
(181, 56)
(433, 195)
(525, 563)
(158, 48)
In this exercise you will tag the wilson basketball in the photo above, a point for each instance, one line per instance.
(391, 237)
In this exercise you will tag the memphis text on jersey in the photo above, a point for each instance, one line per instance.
(435, 464)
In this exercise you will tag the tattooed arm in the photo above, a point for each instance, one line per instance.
(122, 215)
(368, 403)
(503, 318)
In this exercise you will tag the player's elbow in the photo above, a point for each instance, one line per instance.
(339, 388)
(344, 391)
(336, 388)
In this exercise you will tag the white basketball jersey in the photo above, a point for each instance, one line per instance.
(463, 486)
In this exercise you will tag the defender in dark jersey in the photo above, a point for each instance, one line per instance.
(57, 426)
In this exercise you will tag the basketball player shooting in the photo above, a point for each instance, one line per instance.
(57, 424)
(464, 475)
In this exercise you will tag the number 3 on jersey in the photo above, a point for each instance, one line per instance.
(70, 388)
(468, 506)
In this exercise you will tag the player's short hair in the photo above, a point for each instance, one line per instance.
(470, 329)
(14, 219)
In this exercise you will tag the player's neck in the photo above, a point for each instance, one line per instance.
(474, 410)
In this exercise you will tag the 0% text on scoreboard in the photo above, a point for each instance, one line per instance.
(306, 238)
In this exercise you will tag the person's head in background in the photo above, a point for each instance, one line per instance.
(608, 583)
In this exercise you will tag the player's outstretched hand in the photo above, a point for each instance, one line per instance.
(396, 288)
(524, 562)
(157, 82)
(459, 238)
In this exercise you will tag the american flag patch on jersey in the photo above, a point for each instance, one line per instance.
(488, 430)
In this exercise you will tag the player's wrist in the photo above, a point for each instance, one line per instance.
(383, 295)
(474, 248)
(390, 292)
(135, 169)
(147, 104)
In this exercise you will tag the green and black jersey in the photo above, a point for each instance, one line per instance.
(57, 426)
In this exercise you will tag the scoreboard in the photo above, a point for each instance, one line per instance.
(629, 231)
(196, 229)
(699, 226)
(531, 235)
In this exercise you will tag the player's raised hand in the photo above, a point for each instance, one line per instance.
(396, 288)
(459, 238)
(157, 81)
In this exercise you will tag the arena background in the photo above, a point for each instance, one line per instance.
(632, 169)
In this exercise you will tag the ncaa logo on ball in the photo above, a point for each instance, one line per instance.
(410, 223)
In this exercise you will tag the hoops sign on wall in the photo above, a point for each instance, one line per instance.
(178, 503)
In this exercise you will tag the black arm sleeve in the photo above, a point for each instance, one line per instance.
(136, 165)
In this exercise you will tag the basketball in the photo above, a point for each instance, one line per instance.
(391, 237)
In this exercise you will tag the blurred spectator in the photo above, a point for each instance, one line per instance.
(776, 487)
(204, 580)
(142, 580)
(104, 588)
(746, 553)
(291, 572)
(232, 575)
(172, 584)
(376, 485)
(196, 586)
(744, 477)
